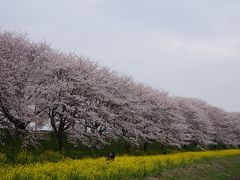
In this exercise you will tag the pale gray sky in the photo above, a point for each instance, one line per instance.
(187, 47)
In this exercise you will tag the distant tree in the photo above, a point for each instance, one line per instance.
(200, 128)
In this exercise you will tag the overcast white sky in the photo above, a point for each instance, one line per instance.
(187, 47)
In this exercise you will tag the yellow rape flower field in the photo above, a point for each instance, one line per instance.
(124, 167)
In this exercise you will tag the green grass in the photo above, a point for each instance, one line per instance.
(224, 168)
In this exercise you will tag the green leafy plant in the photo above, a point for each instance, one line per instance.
(24, 157)
(51, 156)
(3, 158)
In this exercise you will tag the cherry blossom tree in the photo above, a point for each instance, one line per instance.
(200, 128)
(18, 58)
(91, 104)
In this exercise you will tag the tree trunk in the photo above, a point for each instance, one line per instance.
(60, 141)
(145, 146)
(18, 123)
(127, 146)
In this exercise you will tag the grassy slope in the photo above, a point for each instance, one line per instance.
(212, 169)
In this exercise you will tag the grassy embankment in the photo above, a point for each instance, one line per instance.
(222, 168)
(129, 167)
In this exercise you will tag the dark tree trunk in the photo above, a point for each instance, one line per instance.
(60, 134)
(18, 124)
(145, 146)
(60, 142)
(20, 127)
(127, 146)
(58, 130)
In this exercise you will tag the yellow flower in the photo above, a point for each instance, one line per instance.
(124, 166)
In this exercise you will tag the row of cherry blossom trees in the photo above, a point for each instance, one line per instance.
(91, 104)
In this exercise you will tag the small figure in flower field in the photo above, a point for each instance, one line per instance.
(110, 156)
